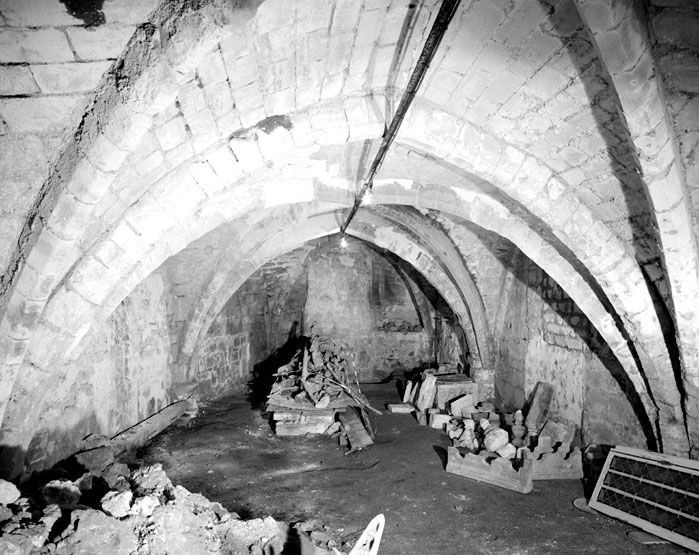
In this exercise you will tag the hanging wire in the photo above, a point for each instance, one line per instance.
(439, 28)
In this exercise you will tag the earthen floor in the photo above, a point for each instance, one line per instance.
(230, 455)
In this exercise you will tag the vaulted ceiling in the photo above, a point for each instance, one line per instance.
(563, 127)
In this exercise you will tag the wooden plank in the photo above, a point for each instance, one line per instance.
(147, 429)
(538, 410)
(631, 500)
(497, 471)
(356, 432)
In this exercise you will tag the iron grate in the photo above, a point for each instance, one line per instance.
(658, 493)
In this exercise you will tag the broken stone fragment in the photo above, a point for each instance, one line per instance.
(117, 503)
(8, 492)
(467, 439)
(51, 515)
(495, 439)
(91, 532)
(63, 493)
(150, 479)
(144, 506)
(323, 402)
(176, 530)
(9, 547)
(5, 513)
(31, 536)
(116, 475)
(509, 451)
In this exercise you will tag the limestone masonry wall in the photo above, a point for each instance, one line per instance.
(354, 296)
(546, 338)
(120, 378)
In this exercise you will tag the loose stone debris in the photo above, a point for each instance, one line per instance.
(99, 506)
(313, 391)
(506, 449)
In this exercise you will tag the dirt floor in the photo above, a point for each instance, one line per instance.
(231, 456)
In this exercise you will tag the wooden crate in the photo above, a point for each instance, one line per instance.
(657, 493)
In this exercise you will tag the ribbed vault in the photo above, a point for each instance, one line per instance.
(210, 119)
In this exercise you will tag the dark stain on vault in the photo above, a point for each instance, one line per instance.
(90, 11)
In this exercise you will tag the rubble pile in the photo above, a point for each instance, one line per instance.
(109, 509)
(314, 394)
(509, 449)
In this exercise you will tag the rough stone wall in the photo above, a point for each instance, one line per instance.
(545, 337)
(254, 322)
(120, 378)
(353, 297)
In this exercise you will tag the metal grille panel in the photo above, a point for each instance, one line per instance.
(657, 493)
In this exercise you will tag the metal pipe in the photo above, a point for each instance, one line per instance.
(439, 28)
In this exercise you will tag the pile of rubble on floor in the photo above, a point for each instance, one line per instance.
(100, 506)
(508, 449)
(313, 394)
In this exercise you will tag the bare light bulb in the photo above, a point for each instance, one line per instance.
(343, 242)
(368, 197)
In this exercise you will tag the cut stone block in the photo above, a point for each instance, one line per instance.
(496, 471)
(451, 386)
(99, 43)
(35, 45)
(461, 406)
(439, 421)
(400, 408)
(428, 390)
(69, 78)
(16, 80)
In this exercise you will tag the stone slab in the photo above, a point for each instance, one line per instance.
(426, 395)
(496, 471)
(400, 408)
